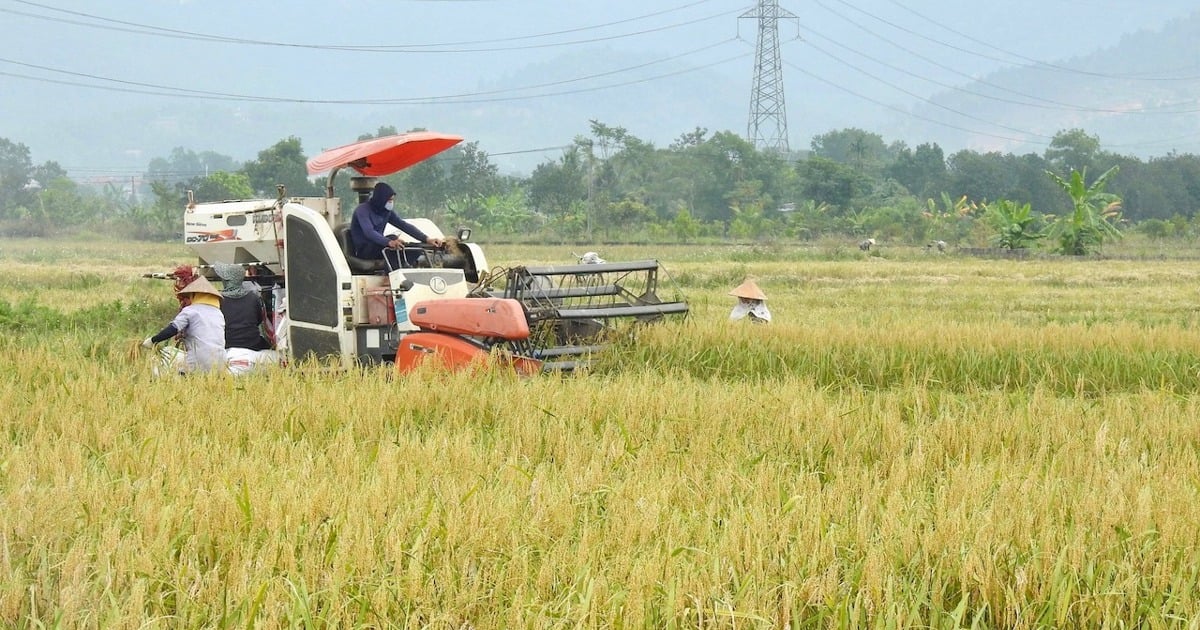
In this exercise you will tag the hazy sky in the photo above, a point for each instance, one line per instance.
(68, 60)
(429, 48)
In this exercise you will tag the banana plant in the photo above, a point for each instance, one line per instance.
(1093, 217)
(1014, 224)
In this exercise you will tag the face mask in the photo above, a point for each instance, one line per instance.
(389, 205)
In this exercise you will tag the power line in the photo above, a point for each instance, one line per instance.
(864, 97)
(94, 172)
(921, 98)
(156, 31)
(976, 53)
(942, 123)
(562, 147)
(1044, 103)
(1023, 57)
(138, 87)
(413, 101)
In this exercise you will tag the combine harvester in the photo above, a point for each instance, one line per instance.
(444, 304)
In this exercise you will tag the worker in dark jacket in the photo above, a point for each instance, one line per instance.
(370, 219)
(243, 309)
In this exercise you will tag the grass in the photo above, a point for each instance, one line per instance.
(917, 442)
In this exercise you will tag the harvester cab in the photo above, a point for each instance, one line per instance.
(430, 302)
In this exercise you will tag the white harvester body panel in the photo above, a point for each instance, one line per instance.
(246, 231)
(320, 297)
(427, 284)
(233, 231)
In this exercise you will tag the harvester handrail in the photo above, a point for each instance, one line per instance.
(564, 351)
(567, 270)
(553, 293)
(604, 312)
(562, 366)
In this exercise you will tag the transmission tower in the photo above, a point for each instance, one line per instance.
(768, 114)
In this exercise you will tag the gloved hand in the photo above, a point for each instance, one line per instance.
(147, 343)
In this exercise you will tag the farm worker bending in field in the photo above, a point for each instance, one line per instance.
(372, 217)
(244, 311)
(201, 325)
(751, 302)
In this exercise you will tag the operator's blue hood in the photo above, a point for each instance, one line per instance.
(379, 197)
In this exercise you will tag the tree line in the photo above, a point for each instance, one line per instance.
(610, 185)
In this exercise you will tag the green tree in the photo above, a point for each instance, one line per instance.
(222, 186)
(383, 132)
(626, 217)
(945, 219)
(162, 217)
(282, 163)
(47, 172)
(16, 167)
(690, 139)
(1093, 216)
(1072, 150)
(473, 174)
(1160, 188)
(685, 225)
(979, 175)
(185, 165)
(828, 182)
(57, 206)
(809, 219)
(505, 213)
(754, 213)
(866, 152)
(714, 171)
(424, 188)
(922, 171)
(1157, 229)
(556, 187)
(63, 205)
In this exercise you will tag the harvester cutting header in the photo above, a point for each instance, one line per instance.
(427, 302)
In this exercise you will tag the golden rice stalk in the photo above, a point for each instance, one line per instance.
(133, 352)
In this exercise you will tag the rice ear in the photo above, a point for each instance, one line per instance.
(134, 351)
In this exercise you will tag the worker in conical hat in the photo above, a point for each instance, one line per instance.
(200, 325)
(751, 302)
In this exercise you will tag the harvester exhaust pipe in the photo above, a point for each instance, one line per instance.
(359, 184)
(363, 186)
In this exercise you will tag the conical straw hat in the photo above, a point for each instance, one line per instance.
(749, 291)
(201, 285)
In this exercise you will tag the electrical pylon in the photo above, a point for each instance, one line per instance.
(768, 113)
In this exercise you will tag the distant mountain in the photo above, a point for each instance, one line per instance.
(1140, 96)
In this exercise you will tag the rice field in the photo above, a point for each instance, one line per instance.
(915, 441)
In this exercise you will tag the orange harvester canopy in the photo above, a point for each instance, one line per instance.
(384, 156)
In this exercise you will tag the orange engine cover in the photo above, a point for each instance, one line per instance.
(453, 352)
(481, 317)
